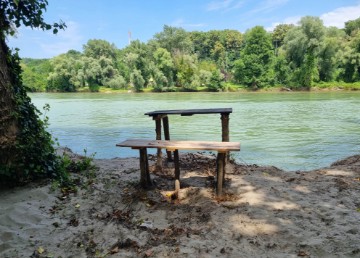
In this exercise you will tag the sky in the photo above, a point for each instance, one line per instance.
(115, 20)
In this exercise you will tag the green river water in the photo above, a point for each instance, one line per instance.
(293, 131)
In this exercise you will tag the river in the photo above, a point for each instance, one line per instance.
(293, 131)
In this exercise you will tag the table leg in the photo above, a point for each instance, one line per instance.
(165, 121)
(225, 136)
(220, 173)
(145, 180)
(225, 127)
(158, 137)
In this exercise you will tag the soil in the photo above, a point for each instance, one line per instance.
(264, 212)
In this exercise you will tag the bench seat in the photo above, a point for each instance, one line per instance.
(181, 145)
(170, 145)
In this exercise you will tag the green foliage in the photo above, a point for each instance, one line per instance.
(280, 33)
(302, 46)
(174, 40)
(137, 80)
(35, 73)
(34, 145)
(327, 64)
(117, 82)
(352, 26)
(175, 60)
(257, 56)
(32, 153)
(28, 13)
(66, 75)
(70, 168)
(281, 70)
(186, 67)
(97, 48)
(216, 81)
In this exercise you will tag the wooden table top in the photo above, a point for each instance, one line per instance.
(190, 112)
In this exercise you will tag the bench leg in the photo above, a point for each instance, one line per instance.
(177, 170)
(220, 173)
(145, 180)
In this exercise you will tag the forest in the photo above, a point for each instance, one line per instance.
(296, 57)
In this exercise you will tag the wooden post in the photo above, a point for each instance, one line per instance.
(225, 136)
(225, 127)
(177, 170)
(145, 180)
(158, 137)
(220, 172)
(165, 121)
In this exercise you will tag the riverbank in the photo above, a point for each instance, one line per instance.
(265, 212)
(229, 87)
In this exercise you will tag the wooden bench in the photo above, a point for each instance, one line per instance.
(221, 147)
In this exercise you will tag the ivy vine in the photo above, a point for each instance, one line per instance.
(34, 146)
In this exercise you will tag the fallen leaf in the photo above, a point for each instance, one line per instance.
(302, 253)
(40, 250)
(115, 250)
(148, 253)
(77, 205)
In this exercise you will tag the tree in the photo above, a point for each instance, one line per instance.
(67, 74)
(256, 59)
(138, 56)
(35, 73)
(186, 68)
(327, 62)
(174, 39)
(302, 45)
(100, 58)
(137, 80)
(279, 34)
(97, 48)
(117, 82)
(223, 45)
(349, 59)
(26, 149)
(352, 26)
(282, 70)
(165, 64)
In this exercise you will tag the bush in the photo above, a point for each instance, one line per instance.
(117, 83)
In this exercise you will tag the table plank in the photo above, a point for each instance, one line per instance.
(190, 112)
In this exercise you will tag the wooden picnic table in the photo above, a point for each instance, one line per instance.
(161, 117)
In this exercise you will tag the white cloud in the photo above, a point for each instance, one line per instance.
(268, 6)
(182, 24)
(289, 20)
(218, 5)
(336, 18)
(339, 16)
(224, 5)
(68, 39)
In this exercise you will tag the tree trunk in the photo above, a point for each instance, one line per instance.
(8, 122)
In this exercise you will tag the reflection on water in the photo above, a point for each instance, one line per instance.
(292, 131)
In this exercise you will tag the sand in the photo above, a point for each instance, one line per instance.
(265, 212)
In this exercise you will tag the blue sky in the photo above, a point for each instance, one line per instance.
(112, 20)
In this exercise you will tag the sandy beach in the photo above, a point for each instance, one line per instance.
(265, 212)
